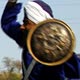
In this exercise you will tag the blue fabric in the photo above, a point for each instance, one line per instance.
(70, 69)
(9, 24)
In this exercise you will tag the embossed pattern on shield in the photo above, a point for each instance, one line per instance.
(51, 42)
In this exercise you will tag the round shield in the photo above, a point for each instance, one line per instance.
(51, 42)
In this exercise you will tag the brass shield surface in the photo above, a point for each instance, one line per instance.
(51, 42)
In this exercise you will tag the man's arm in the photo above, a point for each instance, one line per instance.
(8, 22)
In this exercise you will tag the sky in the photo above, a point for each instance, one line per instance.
(65, 10)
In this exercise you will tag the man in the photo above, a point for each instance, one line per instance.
(35, 12)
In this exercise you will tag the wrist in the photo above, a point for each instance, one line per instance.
(12, 1)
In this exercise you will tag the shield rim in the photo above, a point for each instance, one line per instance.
(28, 42)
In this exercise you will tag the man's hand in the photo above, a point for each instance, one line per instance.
(12, 1)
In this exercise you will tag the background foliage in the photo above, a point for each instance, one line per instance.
(12, 69)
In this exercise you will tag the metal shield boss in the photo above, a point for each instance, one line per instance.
(51, 42)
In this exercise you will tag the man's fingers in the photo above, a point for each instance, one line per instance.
(12, 0)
